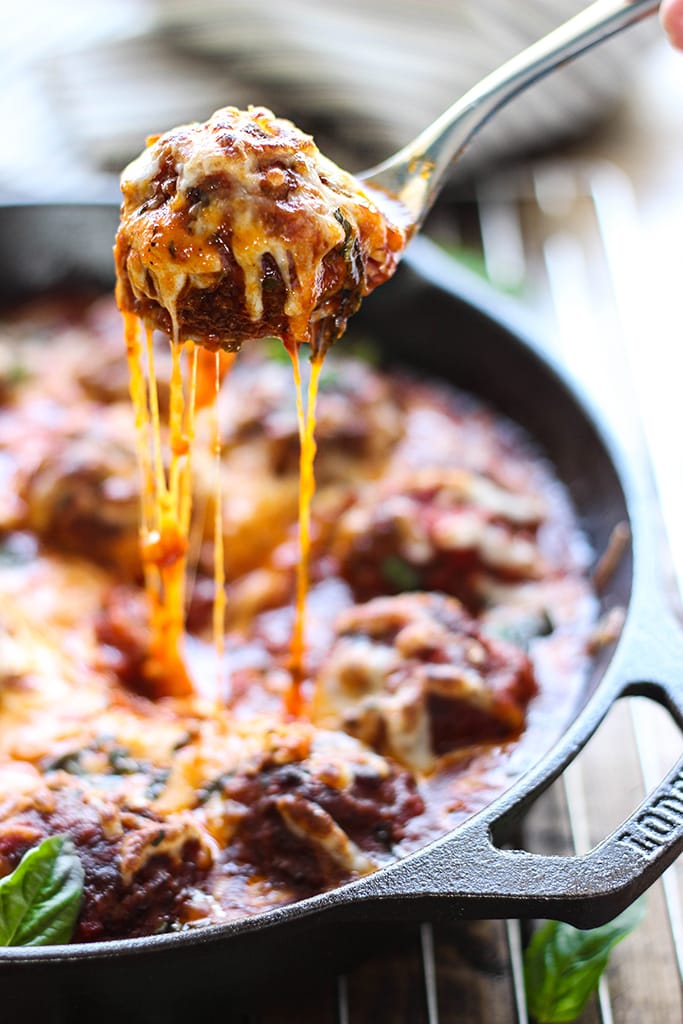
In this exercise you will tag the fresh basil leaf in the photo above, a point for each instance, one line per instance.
(40, 900)
(563, 965)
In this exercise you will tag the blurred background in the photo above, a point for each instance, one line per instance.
(571, 201)
(86, 80)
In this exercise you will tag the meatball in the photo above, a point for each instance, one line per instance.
(439, 529)
(84, 495)
(122, 628)
(313, 810)
(240, 228)
(415, 677)
(358, 418)
(358, 422)
(140, 869)
(106, 378)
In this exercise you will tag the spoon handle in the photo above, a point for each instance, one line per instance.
(415, 174)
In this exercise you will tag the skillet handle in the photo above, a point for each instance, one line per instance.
(466, 875)
(585, 890)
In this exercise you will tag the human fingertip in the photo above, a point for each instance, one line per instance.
(671, 17)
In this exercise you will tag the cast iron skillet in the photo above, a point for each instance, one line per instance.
(440, 320)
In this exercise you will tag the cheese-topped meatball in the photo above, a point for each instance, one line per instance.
(240, 228)
(414, 676)
(442, 529)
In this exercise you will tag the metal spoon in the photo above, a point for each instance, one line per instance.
(414, 175)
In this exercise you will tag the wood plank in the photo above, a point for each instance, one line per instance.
(642, 978)
(546, 828)
(388, 988)
(474, 980)
(315, 1003)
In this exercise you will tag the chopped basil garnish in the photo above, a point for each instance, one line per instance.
(399, 573)
(40, 900)
(158, 783)
(521, 629)
(121, 762)
(70, 762)
(216, 785)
